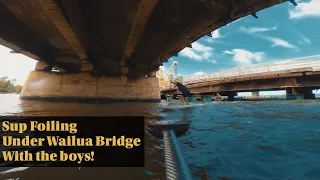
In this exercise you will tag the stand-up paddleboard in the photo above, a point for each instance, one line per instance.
(179, 106)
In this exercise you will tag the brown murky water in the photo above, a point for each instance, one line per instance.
(229, 140)
(10, 104)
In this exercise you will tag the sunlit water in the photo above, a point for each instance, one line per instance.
(230, 140)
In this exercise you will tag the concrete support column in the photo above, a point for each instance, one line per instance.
(255, 93)
(41, 66)
(192, 99)
(206, 98)
(152, 74)
(299, 93)
(83, 86)
(307, 92)
(289, 91)
(124, 70)
(86, 68)
(292, 94)
(231, 96)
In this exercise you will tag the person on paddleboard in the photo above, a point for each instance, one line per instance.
(218, 97)
(184, 90)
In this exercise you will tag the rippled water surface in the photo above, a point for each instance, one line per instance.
(230, 140)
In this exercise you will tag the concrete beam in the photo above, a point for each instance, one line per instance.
(45, 18)
(259, 77)
(56, 16)
(75, 20)
(18, 49)
(140, 21)
(173, 22)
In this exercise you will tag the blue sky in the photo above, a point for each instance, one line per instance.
(282, 32)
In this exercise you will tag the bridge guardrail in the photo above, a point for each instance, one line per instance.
(255, 70)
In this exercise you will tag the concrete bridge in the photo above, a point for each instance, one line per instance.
(103, 49)
(298, 79)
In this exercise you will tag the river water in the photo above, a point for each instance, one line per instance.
(229, 140)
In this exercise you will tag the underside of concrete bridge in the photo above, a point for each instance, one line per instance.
(99, 45)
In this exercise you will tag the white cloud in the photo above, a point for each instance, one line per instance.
(199, 73)
(245, 57)
(201, 48)
(298, 59)
(304, 40)
(215, 35)
(190, 54)
(213, 61)
(234, 21)
(257, 29)
(198, 52)
(276, 41)
(227, 52)
(305, 9)
(280, 42)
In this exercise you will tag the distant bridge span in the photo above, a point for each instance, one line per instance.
(298, 79)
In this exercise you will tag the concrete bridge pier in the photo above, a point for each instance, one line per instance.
(83, 86)
(206, 98)
(299, 93)
(255, 93)
(231, 95)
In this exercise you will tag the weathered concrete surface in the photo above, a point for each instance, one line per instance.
(144, 33)
(85, 87)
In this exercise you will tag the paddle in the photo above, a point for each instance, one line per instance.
(176, 167)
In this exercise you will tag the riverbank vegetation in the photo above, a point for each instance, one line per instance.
(8, 85)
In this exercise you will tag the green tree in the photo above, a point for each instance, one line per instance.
(8, 85)
(18, 88)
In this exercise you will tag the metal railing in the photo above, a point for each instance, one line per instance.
(256, 70)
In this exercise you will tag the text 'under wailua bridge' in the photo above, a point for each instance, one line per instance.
(297, 78)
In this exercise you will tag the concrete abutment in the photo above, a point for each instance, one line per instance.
(55, 86)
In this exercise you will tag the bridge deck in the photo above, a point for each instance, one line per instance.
(281, 76)
(115, 37)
